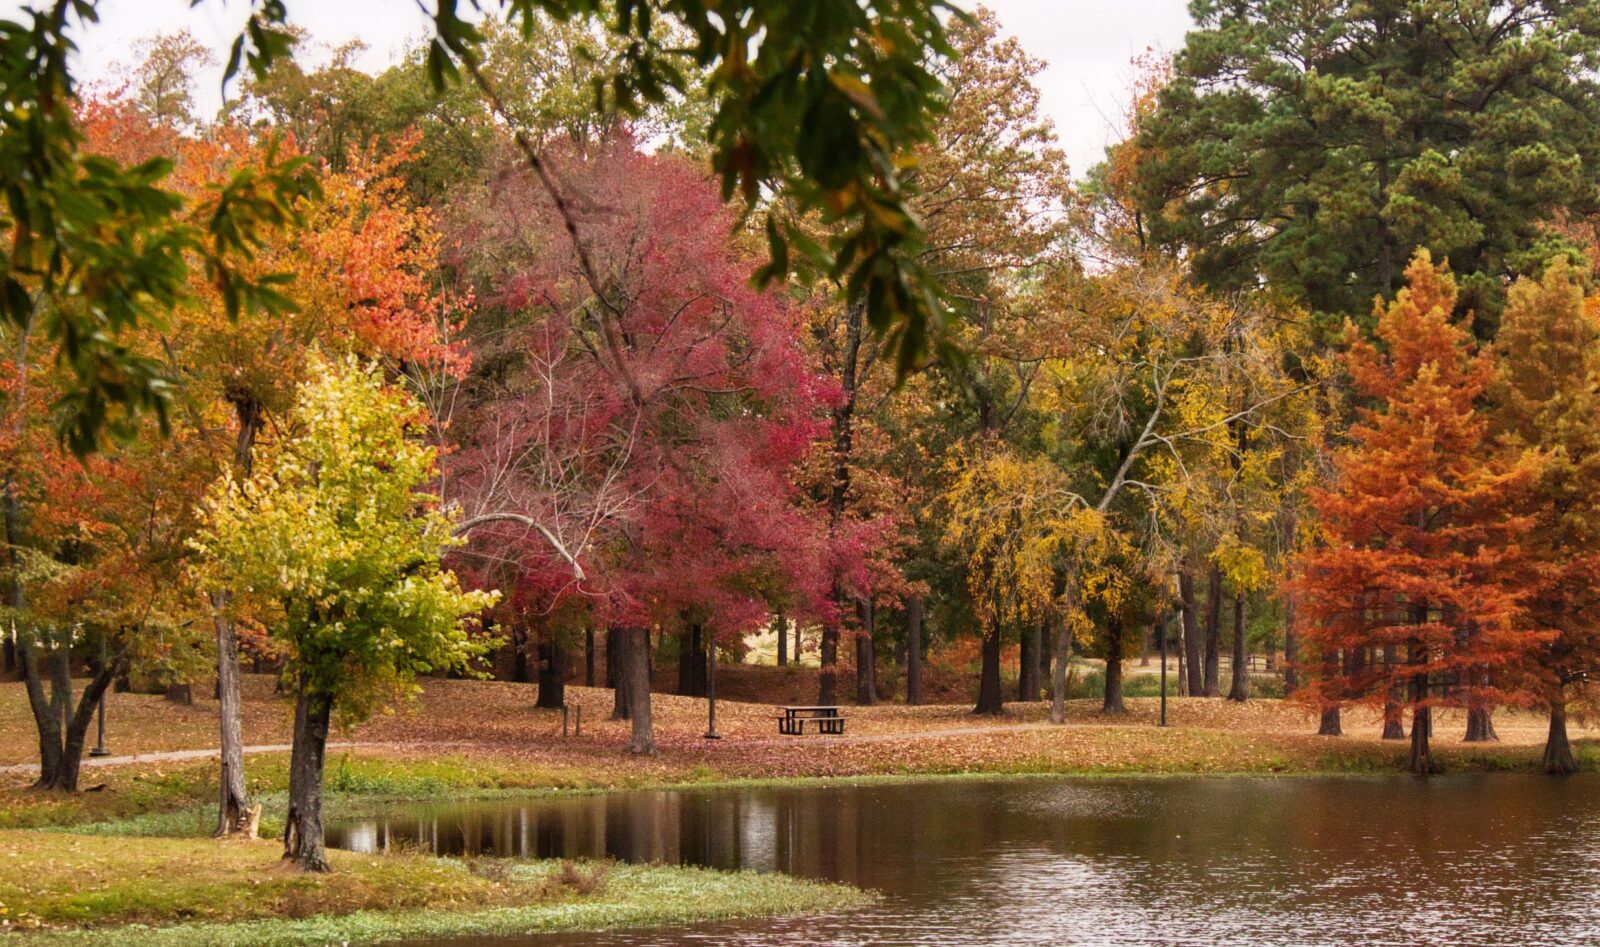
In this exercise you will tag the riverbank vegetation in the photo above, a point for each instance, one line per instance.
(791, 364)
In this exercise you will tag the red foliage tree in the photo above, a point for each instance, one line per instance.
(1420, 545)
(637, 435)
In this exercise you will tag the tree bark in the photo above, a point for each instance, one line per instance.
(914, 650)
(552, 677)
(691, 662)
(866, 655)
(1213, 681)
(638, 687)
(782, 624)
(1191, 634)
(1422, 761)
(302, 826)
(1112, 704)
(1329, 725)
(1240, 689)
(588, 656)
(234, 814)
(1393, 728)
(827, 681)
(619, 647)
(1058, 673)
(1291, 647)
(1480, 725)
(991, 702)
(1028, 669)
(1558, 758)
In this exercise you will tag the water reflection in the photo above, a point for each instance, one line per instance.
(1459, 860)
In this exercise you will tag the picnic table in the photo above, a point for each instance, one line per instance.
(826, 718)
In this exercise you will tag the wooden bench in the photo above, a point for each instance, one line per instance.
(825, 718)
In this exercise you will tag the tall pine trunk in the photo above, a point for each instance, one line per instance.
(1240, 689)
(638, 687)
(1191, 633)
(782, 625)
(1213, 681)
(302, 825)
(914, 650)
(1112, 704)
(1558, 758)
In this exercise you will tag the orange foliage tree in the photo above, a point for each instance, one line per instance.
(1419, 546)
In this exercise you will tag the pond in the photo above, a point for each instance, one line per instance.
(1450, 860)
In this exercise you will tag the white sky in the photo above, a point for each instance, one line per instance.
(1087, 44)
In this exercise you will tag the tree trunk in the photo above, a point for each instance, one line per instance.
(302, 825)
(1480, 725)
(638, 687)
(991, 701)
(1329, 726)
(234, 814)
(1028, 671)
(866, 655)
(1113, 698)
(795, 655)
(519, 656)
(1393, 728)
(1422, 761)
(1240, 689)
(782, 625)
(1191, 634)
(233, 808)
(691, 652)
(8, 656)
(827, 681)
(552, 676)
(1058, 673)
(588, 656)
(914, 650)
(1213, 681)
(1291, 648)
(1558, 758)
(619, 647)
(47, 716)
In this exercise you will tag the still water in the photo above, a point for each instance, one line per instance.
(1502, 859)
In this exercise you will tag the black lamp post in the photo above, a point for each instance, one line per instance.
(711, 690)
(99, 748)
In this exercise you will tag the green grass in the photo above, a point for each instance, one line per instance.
(71, 889)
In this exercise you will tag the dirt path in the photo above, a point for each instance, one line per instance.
(179, 756)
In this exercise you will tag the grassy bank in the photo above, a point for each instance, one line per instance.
(69, 889)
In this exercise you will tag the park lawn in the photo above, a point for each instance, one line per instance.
(70, 888)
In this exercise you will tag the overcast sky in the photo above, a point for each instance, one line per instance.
(1087, 44)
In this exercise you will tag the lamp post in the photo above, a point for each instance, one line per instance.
(711, 690)
(99, 748)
